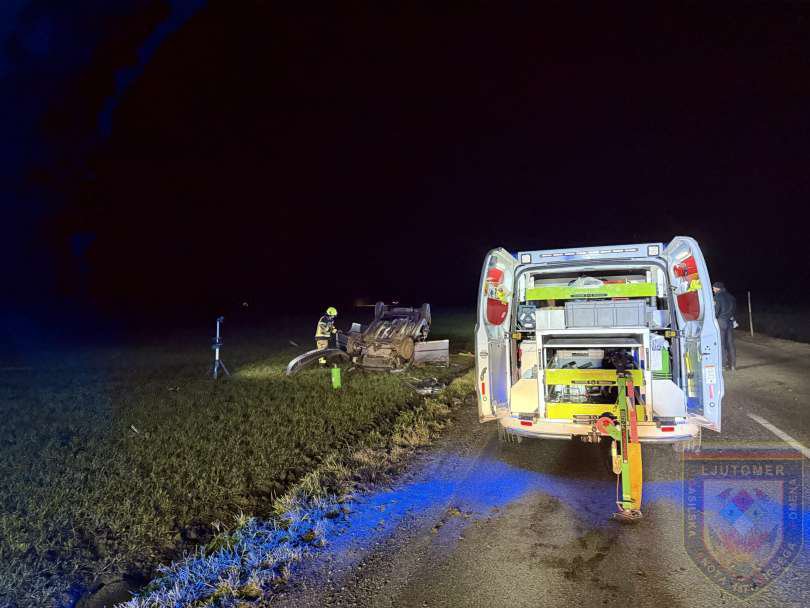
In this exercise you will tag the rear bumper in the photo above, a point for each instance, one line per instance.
(565, 429)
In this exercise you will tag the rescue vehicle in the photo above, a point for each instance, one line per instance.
(556, 328)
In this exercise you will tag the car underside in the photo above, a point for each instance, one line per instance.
(389, 341)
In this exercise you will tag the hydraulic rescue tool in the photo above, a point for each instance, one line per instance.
(625, 450)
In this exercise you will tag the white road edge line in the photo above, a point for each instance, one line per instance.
(781, 434)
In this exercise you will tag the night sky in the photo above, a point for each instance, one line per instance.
(170, 160)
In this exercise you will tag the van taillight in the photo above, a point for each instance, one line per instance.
(496, 311)
(667, 429)
(483, 388)
(525, 423)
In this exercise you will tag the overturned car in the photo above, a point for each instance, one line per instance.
(389, 342)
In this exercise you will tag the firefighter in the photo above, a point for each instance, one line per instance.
(724, 307)
(325, 330)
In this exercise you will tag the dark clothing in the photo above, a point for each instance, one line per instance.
(727, 343)
(725, 305)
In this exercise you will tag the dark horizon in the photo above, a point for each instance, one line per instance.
(167, 161)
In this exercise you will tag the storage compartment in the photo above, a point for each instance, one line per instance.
(588, 358)
(528, 359)
(580, 372)
(606, 314)
(552, 317)
(657, 319)
(659, 357)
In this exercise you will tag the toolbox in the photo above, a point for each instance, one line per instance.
(550, 318)
(627, 313)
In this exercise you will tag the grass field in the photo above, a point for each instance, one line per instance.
(778, 321)
(115, 460)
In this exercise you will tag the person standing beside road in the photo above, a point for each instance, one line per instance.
(324, 331)
(725, 305)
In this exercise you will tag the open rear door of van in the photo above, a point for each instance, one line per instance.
(702, 378)
(492, 346)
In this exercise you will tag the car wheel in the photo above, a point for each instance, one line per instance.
(425, 312)
(406, 349)
(506, 438)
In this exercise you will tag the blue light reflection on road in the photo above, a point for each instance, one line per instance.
(478, 487)
(481, 486)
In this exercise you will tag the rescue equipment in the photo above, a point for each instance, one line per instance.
(621, 334)
(607, 290)
(626, 451)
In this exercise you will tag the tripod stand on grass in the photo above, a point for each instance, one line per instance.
(216, 345)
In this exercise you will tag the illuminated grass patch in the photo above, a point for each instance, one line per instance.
(258, 556)
(115, 461)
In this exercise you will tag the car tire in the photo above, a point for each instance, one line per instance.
(425, 312)
(507, 439)
(406, 349)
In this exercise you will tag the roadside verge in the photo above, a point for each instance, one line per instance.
(246, 564)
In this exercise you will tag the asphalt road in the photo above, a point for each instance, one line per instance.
(475, 523)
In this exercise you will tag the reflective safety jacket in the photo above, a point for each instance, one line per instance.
(325, 328)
